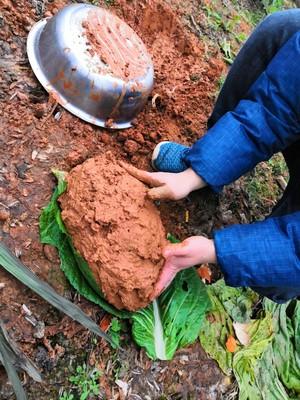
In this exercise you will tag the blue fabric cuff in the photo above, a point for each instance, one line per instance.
(265, 254)
(265, 121)
(202, 168)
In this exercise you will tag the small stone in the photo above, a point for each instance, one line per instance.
(34, 154)
(105, 138)
(40, 110)
(23, 216)
(88, 128)
(39, 330)
(4, 215)
(131, 147)
(122, 136)
(138, 137)
(134, 122)
(22, 96)
(25, 192)
(153, 135)
(50, 253)
(149, 144)
(21, 170)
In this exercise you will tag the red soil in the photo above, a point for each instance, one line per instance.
(116, 229)
(116, 44)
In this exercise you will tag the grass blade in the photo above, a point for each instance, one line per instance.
(28, 278)
(10, 369)
(19, 359)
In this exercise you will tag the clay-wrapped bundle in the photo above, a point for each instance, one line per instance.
(116, 229)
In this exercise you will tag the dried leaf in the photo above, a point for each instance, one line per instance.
(205, 273)
(11, 371)
(123, 386)
(105, 322)
(241, 332)
(231, 344)
(18, 359)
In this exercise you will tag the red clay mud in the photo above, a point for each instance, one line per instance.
(116, 44)
(116, 229)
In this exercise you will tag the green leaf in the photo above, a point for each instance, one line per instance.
(286, 343)
(181, 309)
(28, 278)
(245, 360)
(267, 379)
(115, 331)
(19, 359)
(10, 369)
(216, 328)
(268, 368)
(76, 269)
(238, 302)
(228, 305)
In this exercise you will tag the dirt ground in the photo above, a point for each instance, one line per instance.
(36, 135)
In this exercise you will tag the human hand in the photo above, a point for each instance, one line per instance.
(192, 251)
(166, 185)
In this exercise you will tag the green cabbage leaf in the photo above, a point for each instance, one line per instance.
(268, 367)
(181, 310)
(171, 322)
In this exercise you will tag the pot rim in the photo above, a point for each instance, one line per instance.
(34, 60)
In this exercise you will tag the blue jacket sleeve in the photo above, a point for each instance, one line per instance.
(266, 121)
(262, 254)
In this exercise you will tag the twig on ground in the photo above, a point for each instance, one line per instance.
(50, 113)
(195, 25)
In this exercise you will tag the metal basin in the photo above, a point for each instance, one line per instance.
(93, 64)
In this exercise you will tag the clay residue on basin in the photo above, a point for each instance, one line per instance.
(116, 229)
(116, 44)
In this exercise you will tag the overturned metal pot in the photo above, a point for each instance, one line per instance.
(93, 64)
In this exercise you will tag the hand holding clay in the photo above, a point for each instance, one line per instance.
(192, 251)
(166, 185)
(116, 229)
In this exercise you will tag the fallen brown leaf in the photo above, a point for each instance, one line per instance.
(105, 322)
(205, 273)
(241, 332)
(231, 344)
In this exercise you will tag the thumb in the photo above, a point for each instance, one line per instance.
(167, 275)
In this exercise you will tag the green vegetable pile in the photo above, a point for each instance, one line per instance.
(268, 367)
(181, 308)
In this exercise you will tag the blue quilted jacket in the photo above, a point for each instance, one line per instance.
(264, 254)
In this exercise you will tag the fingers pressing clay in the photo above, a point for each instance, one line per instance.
(143, 176)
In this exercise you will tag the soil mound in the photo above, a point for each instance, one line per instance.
(116, 229)
(116, 44)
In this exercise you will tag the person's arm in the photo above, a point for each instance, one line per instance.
(266, 121)
(262, 254)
